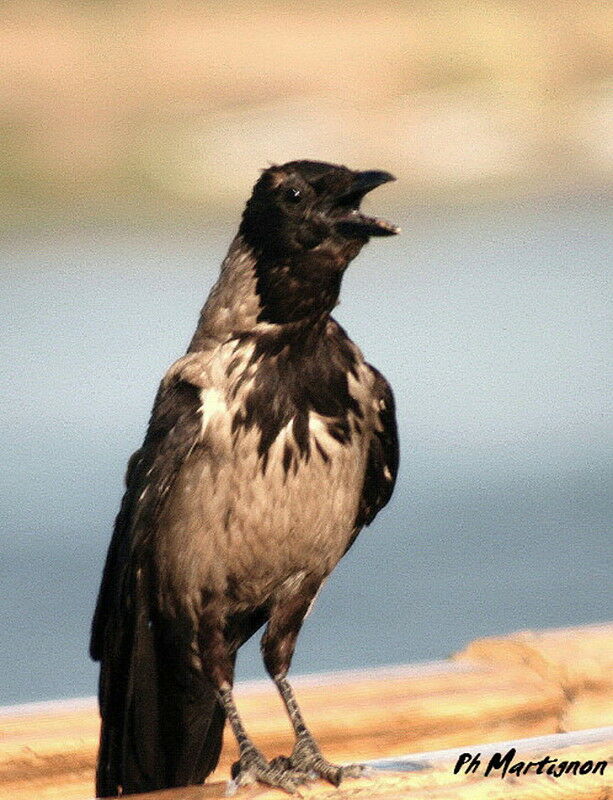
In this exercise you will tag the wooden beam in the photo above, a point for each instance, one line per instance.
(581, 764)
(524, 685)
(578, 660)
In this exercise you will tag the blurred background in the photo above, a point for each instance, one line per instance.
(131, 134)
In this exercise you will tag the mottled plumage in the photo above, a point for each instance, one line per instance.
(270, 445)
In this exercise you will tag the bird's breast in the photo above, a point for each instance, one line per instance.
(272, 491)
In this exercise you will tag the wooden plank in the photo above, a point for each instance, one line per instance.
(512, 687)
(384, 713)
(430, 776)
(581, 665)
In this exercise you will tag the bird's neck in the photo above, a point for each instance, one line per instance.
(297, 288)
(291, 301)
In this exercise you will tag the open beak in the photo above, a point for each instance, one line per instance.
(355, 223)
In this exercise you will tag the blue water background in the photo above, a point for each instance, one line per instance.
(493, 326)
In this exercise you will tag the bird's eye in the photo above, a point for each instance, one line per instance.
(293, 195)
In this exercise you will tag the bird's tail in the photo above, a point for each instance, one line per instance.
(162, 724)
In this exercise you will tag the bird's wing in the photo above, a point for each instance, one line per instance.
(383, 455)
(150, 701)
(173, 433)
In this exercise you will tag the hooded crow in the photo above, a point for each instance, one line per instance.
(270, 445)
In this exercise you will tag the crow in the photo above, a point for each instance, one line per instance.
(270, 445)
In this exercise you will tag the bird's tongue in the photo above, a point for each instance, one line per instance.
(358, 224)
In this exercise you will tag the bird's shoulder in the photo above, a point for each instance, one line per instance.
(174, 430)
(365, 381)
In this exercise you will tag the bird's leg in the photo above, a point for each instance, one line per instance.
(217, 664)
(307, 756)
(278, 645)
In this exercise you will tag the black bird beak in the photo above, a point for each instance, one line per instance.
(356, 224)
(365, 182)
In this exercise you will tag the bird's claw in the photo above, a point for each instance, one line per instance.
(307, 758)
(280, 772)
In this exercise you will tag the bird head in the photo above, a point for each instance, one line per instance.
(304, 225)
(303, 205)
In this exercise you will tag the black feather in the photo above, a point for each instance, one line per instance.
(383, 458)
(299, 372)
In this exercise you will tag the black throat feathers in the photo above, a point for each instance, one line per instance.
(304, 287)
(301, 368)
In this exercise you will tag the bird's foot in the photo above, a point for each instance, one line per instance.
(307, 758)
(280, 772)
